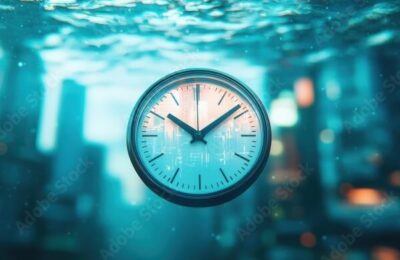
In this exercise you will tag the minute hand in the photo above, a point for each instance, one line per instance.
(218, 121)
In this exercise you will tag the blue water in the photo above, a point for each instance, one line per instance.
(112, 51)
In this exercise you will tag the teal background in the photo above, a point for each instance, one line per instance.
(327, 71)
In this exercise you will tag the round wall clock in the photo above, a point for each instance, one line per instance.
(198, 137)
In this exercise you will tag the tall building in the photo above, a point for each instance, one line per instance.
(21, 98)
(23, 170)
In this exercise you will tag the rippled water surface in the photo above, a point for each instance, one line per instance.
(184, 32)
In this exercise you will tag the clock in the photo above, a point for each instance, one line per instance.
(198, 137)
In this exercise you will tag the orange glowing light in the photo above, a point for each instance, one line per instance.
(308, 239)
(304, 89)
(386, 253)
(365, 196)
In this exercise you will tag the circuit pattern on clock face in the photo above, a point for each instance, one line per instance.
(198, 138)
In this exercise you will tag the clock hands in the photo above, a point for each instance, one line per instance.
(217, 122)
(196, 136)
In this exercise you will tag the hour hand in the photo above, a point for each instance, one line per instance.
(182, 124)
(193, 132)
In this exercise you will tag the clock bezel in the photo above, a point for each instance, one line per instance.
(212, 198)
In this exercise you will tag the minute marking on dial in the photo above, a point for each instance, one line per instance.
(160, 116)
(240, 114)
(222, 97)
(174, 98)
(155, 158)
(223, 174)
(173, 178)
(242, 157)
(199, 182)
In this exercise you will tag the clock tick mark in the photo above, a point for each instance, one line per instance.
(222, 98)
(240, 114)
(173, 177)
(155, 158)
(223, 174)
(154, 113)
(242, 157)
(247, 135)
(176, 101)
(149, 135)
(199, 182)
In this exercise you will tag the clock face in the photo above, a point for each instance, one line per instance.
(199, 137)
